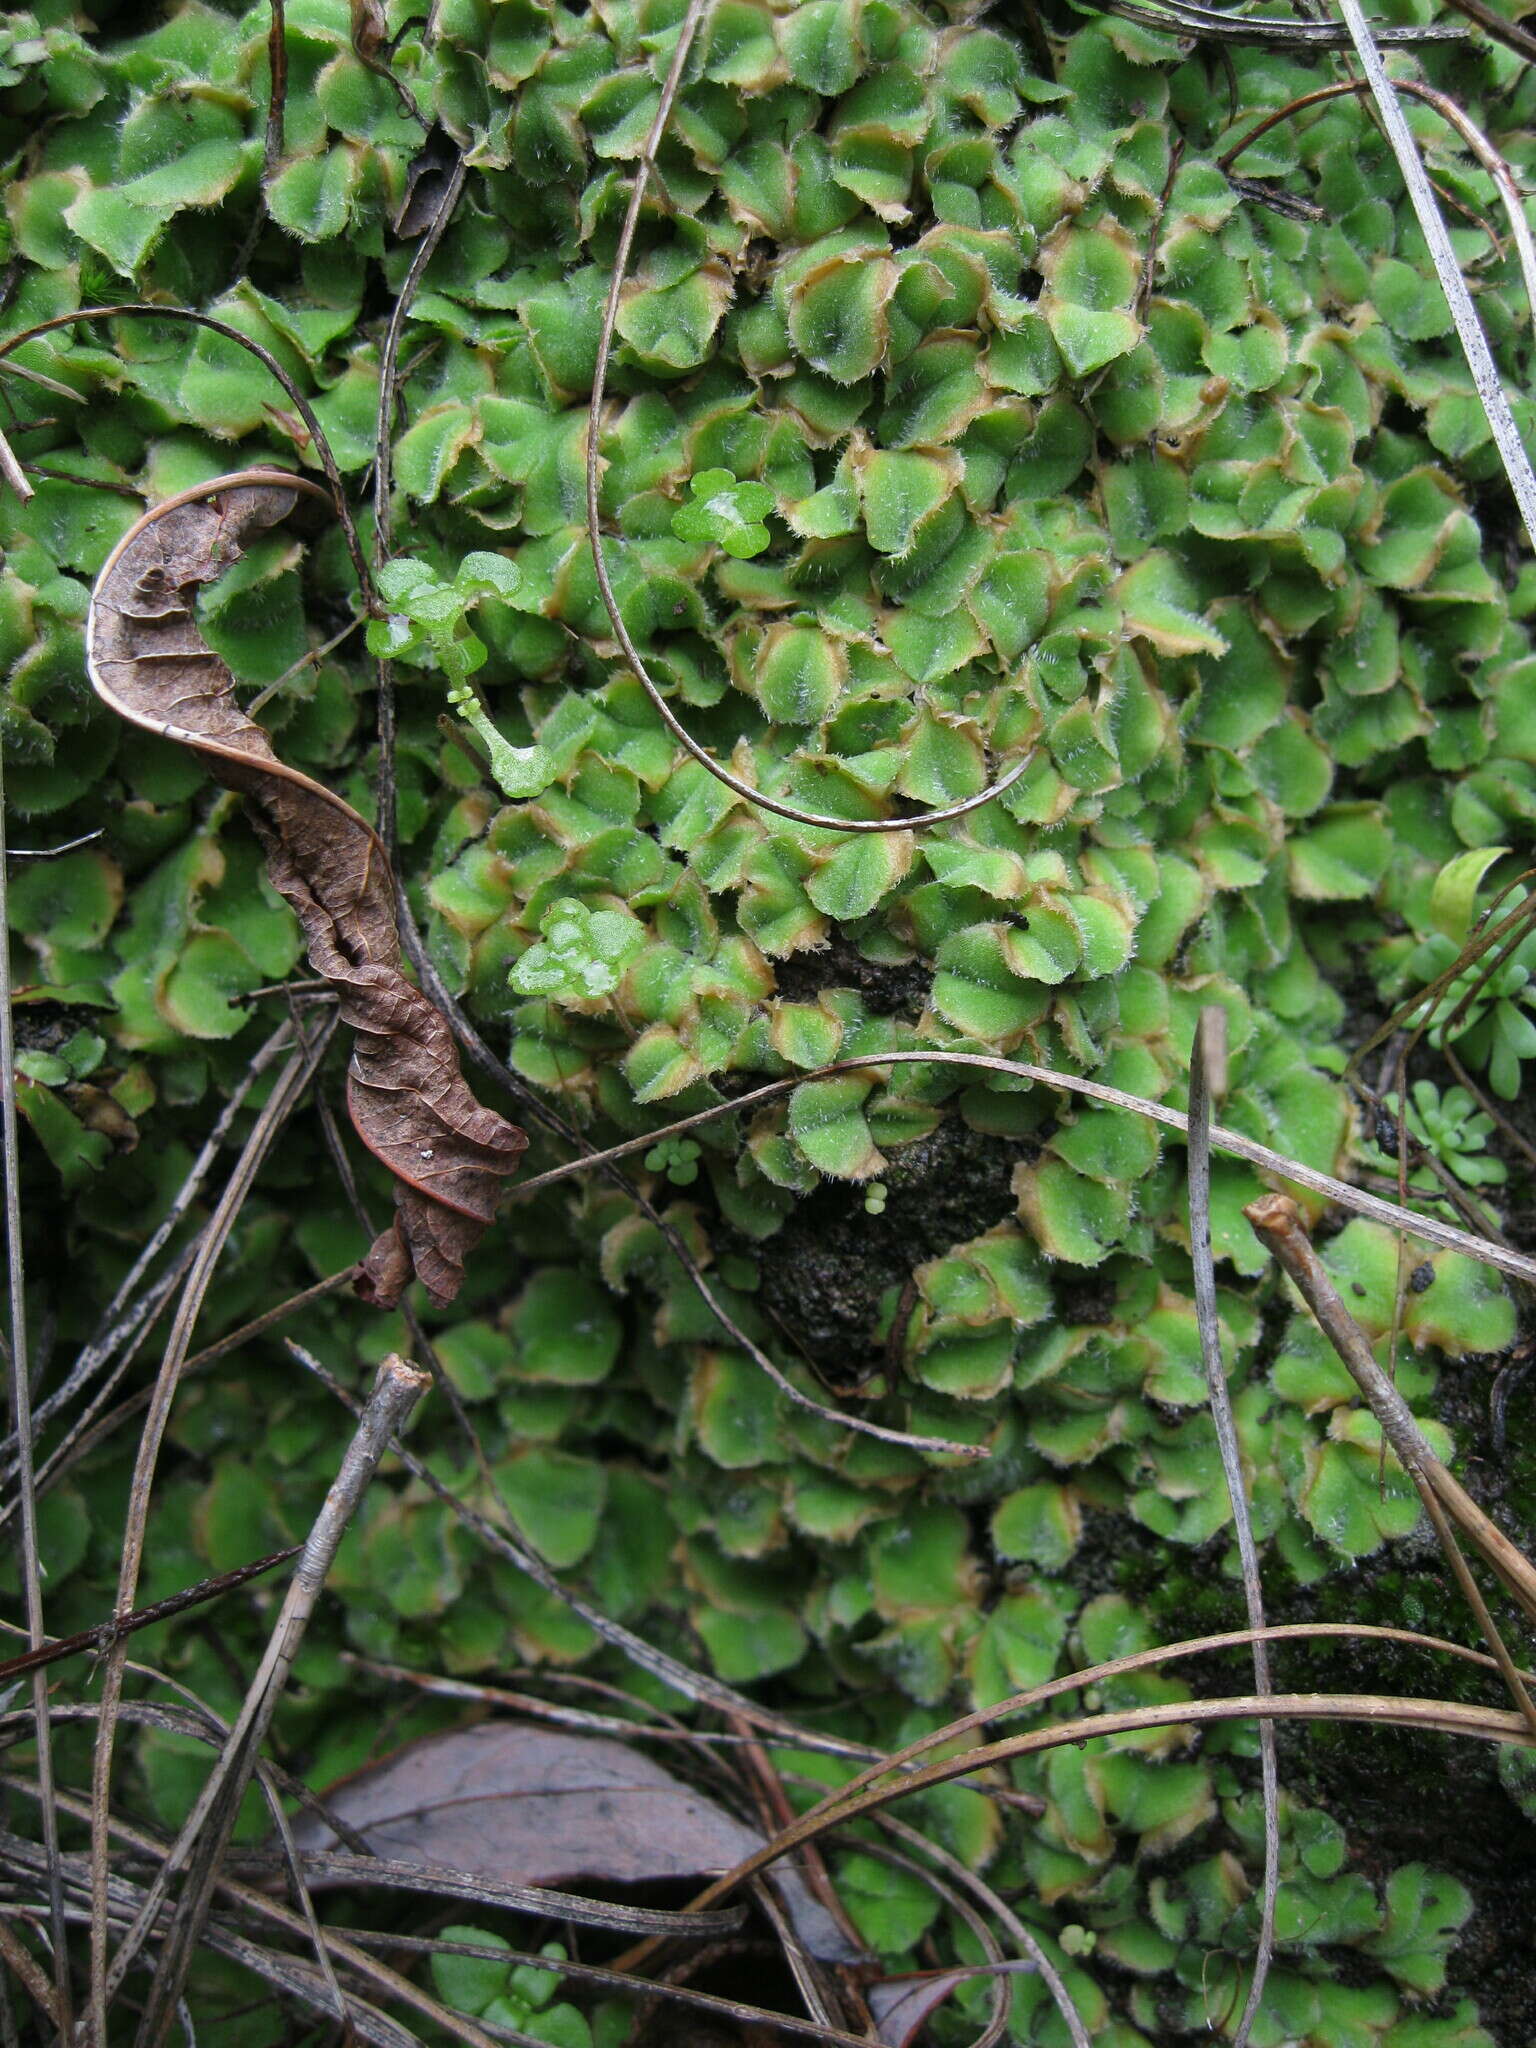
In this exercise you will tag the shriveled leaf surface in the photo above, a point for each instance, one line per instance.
(902, 2006)
(523, 1804)
(406, 1094)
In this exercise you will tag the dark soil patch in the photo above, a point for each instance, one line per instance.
(832, 1261)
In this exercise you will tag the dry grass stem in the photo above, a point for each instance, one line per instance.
(19, 1386)
(1207, 1077)
(1278, 1224)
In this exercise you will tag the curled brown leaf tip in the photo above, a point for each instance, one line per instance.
(405, 1092)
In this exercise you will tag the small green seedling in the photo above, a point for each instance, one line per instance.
(428, 624)
(729, 513)
(874, 1198)
(517, 1996)
(582, 954)
(1452, 1128)
(1496, 1030)
(677, 1158)
(77, 1148)
(429, 614)
(77, 1057)
(1487, 1017)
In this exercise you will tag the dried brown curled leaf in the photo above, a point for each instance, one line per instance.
(407, 1097)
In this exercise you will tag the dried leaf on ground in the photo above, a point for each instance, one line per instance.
(525, 1804)
(407, 1097)
(901, 2006)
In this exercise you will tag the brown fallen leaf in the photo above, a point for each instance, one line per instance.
(370, 29)
(406, 1094)
(532, 1805)
(901, 2006)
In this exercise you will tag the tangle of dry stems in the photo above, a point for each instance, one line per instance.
(84, 1889)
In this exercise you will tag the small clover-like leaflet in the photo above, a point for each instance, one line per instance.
(726, 512)
(582, 954)
(677, 1158)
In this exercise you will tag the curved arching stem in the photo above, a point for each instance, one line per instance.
(1237, 1144)
(269, 362)
(622, 633)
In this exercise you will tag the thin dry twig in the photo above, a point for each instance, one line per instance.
(811, 1981)
(383, 525)
(954, 1898)
(19, 1364)
(1485, 1102)
(272, 146)
(695, 1685)
(53, 852)
(1412, 1156)
(311, 659)
(426, 249)
(206, 1831)
(33, 1980)
(1513, 34)
(1208, 1075)
(12, 471)
(774, 1809)
(1469, 331)
(1032, 1954)
(277, 62)
(371, 43)
(543, 1902)
(1473, 1595)
(1493, 162)
(1184, 17)
(319, 440)
(143, 1617)
(1505, 1383)
(1431, 1228)
(56, 389)
(542, 1709)
(9, 2038)
(1486, 951)
(64, 476)
(285, 1094)
(1277, 1222)
(733, 2009)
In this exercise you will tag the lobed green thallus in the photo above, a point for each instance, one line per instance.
(958, 412)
